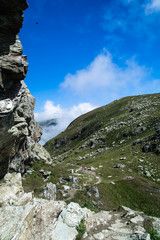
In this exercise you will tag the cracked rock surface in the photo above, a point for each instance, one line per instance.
(24, 217)
(19, 133)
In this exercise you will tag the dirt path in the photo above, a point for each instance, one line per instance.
(90, 173)
(92, 176)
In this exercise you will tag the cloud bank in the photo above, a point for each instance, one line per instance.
(64, 117)
(98, 84)
(105, 79)
(154, 6)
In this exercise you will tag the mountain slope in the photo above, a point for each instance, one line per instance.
(110, 156)
(120, 120)
(48, 123)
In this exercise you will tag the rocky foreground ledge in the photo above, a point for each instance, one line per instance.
(24, 217)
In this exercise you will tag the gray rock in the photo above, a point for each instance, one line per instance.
(29, 171)
(91, 169)
(146, 148)
(145, 236)
(140, 168)
(46, 174)
(19, 133)
(75, 180)
(123, 158)
(95, 191)
(137, 141)
(147, 173)
(66, 188)
(122, 166)
(112, 182)
(141, 160)
(89, 194)
(49, 191)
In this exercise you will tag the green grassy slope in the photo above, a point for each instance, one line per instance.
(125, 133)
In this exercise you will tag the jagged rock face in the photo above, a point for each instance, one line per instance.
(11, 19)
(19, 133)
(13, 66)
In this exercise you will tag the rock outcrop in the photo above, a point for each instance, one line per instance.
(23, 217)
(19, 133)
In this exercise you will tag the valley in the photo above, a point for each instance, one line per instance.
(106, 158)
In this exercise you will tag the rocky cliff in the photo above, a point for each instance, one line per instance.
(19, 133)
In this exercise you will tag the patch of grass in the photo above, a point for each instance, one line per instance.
(81, 229)
(135, 194)
(153, 234)
(2, 181)
(33, 182)
(83, 199)
(88, 204)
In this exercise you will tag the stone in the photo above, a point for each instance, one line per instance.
(145, 236)
(123, 158)
(122, 165)
(147, 173)
(66, 188)
(156, 225)
(11, 191)
(139, 229)
(46, 174)
(67, 222)
(29, 171)
(141, 160)
(75, 180)
(49, 191)
(19, 133)
(99, 236)
(95, 191)
(137, 141)
(146, 148)
(140, 168)
(89, 194)
(128, 178)
(113, 183)
(71, 171)
(137, 219)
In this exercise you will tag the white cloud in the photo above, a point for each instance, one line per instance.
(99, 83)
(50, 111)
(154, 6)
(104, 79)
(100, 73)
(64, 117)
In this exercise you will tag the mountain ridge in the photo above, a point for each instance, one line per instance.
(124, 133)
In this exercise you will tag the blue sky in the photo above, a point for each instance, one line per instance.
(86, 53)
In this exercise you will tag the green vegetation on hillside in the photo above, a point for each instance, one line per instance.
(119, 146)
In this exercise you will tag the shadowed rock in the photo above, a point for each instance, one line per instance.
(19, 133)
